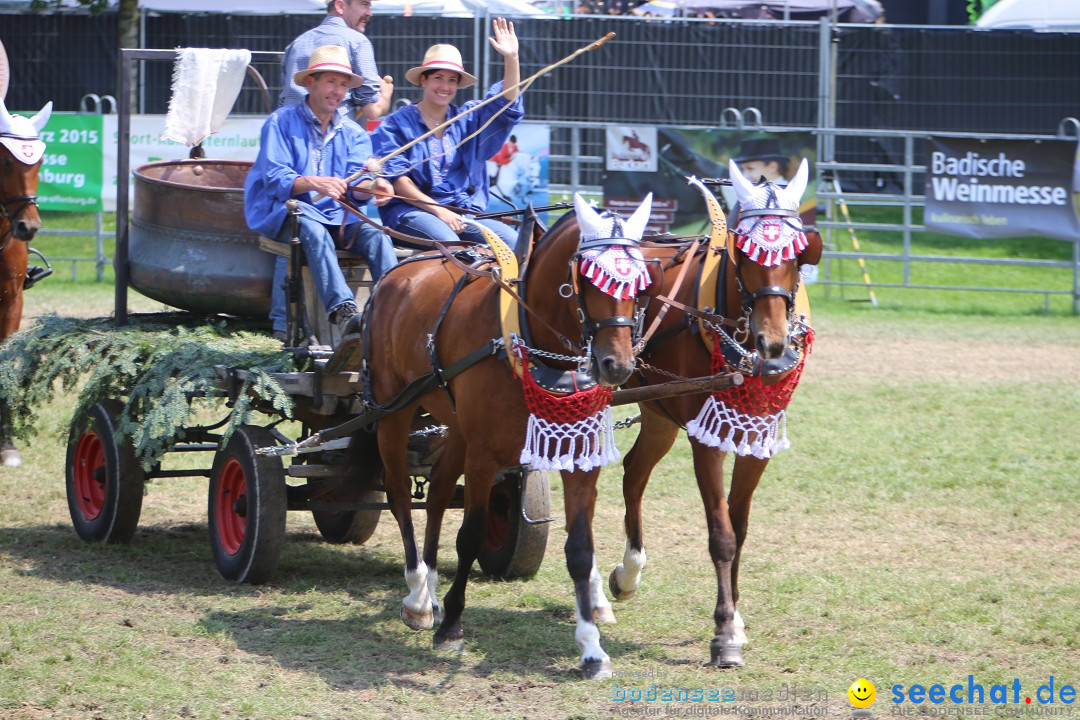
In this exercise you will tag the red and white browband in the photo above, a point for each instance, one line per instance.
(25, 150)
(770, 241)
(618, 270)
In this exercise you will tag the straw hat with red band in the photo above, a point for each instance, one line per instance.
(329, 58)
(441, 57)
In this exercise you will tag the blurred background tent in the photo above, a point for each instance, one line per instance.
(847, 11)
(1034, 14)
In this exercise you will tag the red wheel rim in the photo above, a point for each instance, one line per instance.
(498, 524)
(90, 475)
(230, 513)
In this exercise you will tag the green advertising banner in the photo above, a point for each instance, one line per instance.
(70, 174)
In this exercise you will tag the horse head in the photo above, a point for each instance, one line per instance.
(769, 246)
(605, 252)
(21, 151)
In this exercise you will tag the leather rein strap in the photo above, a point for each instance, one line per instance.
(667, 302)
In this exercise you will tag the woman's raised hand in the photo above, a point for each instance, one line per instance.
(505, 41)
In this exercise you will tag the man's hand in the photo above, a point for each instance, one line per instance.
(386, 87)
(331, 187)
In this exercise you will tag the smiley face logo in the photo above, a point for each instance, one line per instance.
(862, 693)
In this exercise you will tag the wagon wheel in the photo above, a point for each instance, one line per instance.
(350, 526)
(513, 547)
(247, 507)
(104, 480)
(366, 471)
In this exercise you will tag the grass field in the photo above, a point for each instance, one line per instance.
(923, 528)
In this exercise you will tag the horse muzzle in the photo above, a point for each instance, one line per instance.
(612, 371)
(26, 228)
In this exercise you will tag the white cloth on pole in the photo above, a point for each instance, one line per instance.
(205, 85)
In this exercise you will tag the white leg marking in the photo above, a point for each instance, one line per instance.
(433, 592)
(417, 601)
(628, 572)
(601, 608)
(587, 636)
(740, 629)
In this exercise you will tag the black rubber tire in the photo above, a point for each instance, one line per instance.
(104, 480)
(350, 526)
(247, 505)
(512, 547)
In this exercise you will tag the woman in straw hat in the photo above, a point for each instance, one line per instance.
(442, 171)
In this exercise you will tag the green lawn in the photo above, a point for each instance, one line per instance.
(921, 529)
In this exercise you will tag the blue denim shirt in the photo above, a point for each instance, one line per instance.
(331, 31)
(292, 144)
(459, 177)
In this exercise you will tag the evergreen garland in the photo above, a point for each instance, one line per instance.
(161, 364)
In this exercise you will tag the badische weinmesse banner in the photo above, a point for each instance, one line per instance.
(1001, 188)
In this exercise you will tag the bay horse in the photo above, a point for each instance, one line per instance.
(21, 151)
(425, 314)
(756, 276)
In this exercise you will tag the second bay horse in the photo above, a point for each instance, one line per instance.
(756, 285)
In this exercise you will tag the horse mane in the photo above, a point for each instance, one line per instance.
(554, 230)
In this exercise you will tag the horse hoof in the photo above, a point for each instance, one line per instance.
(436, 613)
(603, 615)
(10, 457)
(416, 620)
(597, 669)
(727, 655)
(617, 592)
(450, 645)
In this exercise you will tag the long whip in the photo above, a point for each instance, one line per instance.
(374, 165)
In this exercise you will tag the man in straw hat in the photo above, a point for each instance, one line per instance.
(306, 149)
(444, 176)
(344, 25)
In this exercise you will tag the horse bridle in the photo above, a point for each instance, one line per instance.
(772, 209)
(590, 327)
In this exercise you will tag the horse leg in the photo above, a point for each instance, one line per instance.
(653, 442)
(744, 480)
(579, 493)
(601, 608)
(480, 473)
(725, 648)
(440, 491)
(393, 432)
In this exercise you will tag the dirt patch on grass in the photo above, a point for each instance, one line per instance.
(912, 360)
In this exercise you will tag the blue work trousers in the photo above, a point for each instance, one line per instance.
(320, 251)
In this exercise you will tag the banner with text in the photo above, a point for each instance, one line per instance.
(1001, 188)
(238, 139)
(70, 174)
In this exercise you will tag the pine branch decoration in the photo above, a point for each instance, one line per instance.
(163, 364)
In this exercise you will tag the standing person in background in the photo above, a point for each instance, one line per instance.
(445, 176)
(344, 25)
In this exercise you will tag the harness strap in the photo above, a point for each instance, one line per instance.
(417, 388)
(701, 314)
(674, 291)
(509, 290)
